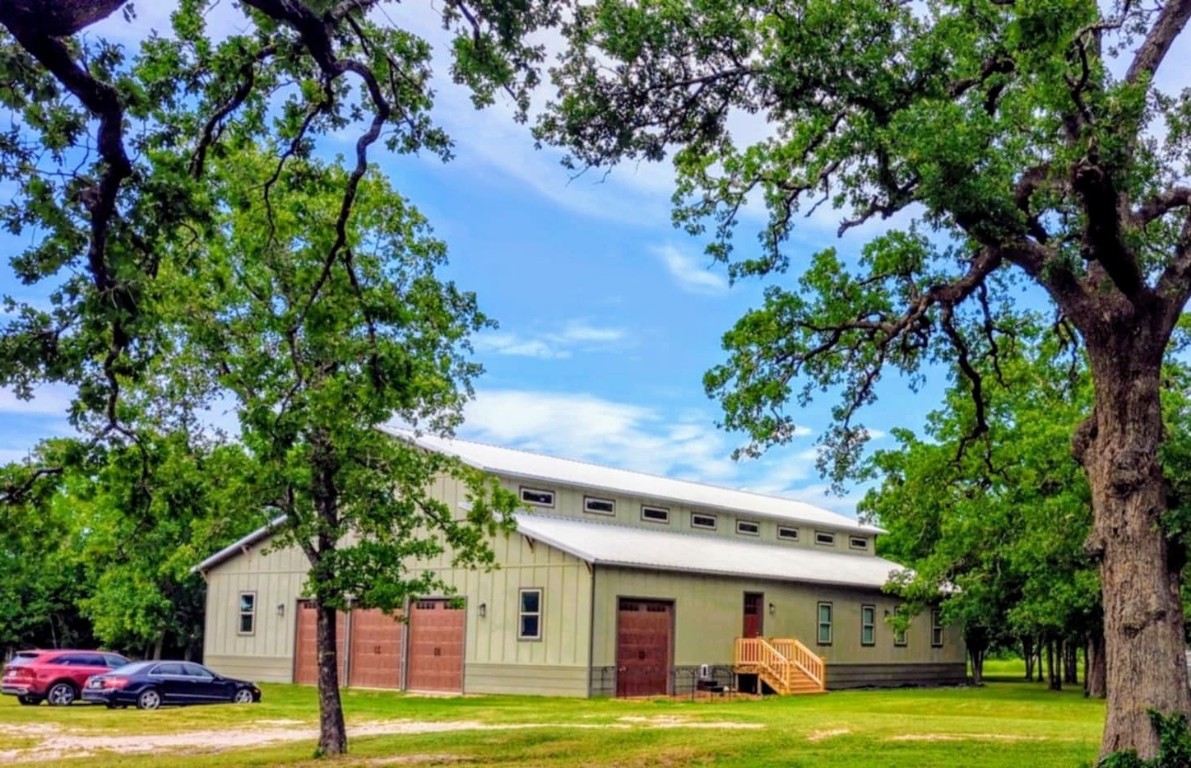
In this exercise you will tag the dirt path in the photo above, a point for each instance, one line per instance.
(58, 743)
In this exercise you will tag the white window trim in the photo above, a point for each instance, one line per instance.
(819, 623)
(869, 625)
(524, 500)
(862, 545)
(748, 533)
(650, 508)
(790, 528)
(936, 628)
(825, 543)
(241, 613)
(521, 612)
(712, 518)
(587, 500)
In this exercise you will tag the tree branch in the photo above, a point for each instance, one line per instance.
(1161, 37)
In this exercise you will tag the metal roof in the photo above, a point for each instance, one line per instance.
(260, 534)
(540, 468)
(660, 550)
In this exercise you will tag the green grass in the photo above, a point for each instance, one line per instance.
(1002, 724)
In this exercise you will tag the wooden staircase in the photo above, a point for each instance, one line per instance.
(784, 664)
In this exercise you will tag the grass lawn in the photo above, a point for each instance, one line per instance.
(1003, 724)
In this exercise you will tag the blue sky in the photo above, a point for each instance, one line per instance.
(608, 315)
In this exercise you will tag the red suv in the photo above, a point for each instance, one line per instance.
(56, 676)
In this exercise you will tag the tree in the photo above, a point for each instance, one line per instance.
(116, 159)
(999, 140)
(942, 505)
(318, 356)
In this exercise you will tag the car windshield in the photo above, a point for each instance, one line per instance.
(132, 668)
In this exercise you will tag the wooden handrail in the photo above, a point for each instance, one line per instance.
(778, 656)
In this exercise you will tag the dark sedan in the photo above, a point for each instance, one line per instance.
(152, 684)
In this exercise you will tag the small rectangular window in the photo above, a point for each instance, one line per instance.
(899, 637)
(824, 538)
(599, 506)
(748, 528)
(936, 628)
(703, 521)
(537, 497)
(824, 624)
(655, 514)
(868, 625)
(529, 615)
(858, 542)
(247, 613)
(787, 533)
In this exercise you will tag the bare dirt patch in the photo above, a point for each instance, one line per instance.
(817, 736)
(57, 743)
(966, 737)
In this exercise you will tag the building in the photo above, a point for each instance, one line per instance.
(616, 583)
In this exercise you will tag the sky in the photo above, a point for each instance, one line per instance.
(608, 315)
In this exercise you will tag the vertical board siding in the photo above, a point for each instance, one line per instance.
(278, 576)
(708, 616)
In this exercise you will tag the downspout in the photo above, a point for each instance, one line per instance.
(591, 634)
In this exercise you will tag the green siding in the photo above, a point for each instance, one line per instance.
(526, 679)
(708, 616)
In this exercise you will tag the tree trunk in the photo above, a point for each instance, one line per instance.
(977, 657)
(1054, 658)
(1139, 573)
(1095, 674)
(332, 736)
(1071, 663)
(332, 732)
(1027, 650)
(157, 645)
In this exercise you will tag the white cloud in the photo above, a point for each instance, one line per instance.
(590, 428)
(48, 400)
(689, 273)
(574, 336)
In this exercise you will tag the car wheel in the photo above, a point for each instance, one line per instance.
(29, 701)
(243, 696)
(149, 699)
(61, 695)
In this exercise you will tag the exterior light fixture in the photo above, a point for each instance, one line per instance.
(772, 609)
(281, 609)
(483, 610)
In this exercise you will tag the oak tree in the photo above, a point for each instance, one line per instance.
(999, 141)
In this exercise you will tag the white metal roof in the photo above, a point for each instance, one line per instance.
(636, 547)
(551, 469)
(260, 534)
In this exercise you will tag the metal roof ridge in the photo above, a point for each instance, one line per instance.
(416, 436)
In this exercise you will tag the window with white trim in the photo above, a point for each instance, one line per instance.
(936, 628)
(529, 614)
(868, 625)
(825, 538)
(247, 624)
(539, 497)
(825, 616)
(655, 514)
(787, 533)
(858, 542)
(748, 528)
(599, 506)
(703, 521)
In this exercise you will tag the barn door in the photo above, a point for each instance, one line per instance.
(643, 641)
(376, 641)
(435, 646)
(754, 620)
(306, 644)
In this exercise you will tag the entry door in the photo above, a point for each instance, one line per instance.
(754, 619)
(375, 649)
(306, 644)
(435, 646)
(643, 643)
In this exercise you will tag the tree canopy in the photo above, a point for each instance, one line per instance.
(1000, 143)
